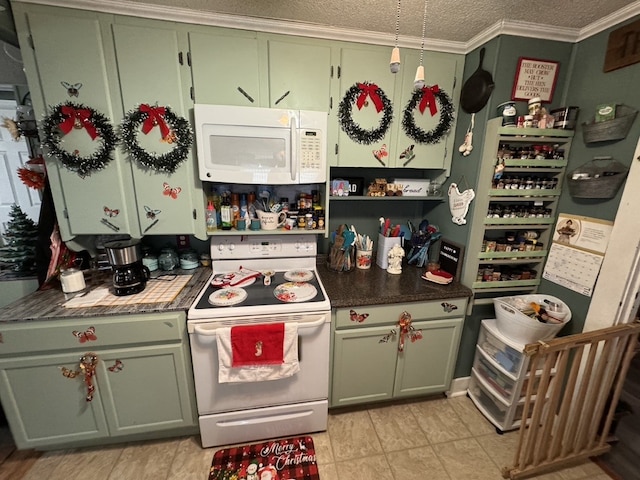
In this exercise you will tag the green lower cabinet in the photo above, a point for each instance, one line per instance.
(141, 387)
(426, 365)
(43, 407)
(369, 365)
(363, 367)
(131, 383)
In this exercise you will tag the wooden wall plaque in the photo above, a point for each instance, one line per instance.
(623, 47)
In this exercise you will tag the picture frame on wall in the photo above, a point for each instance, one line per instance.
(535, 78)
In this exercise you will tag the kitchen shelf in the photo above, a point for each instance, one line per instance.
(533, 222)
(532, 163)
(523, 194)
(541, 135)
(512, 255)
(366, 198)
(278, 231)
(506, 284)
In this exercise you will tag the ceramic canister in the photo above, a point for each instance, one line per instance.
(508, 112)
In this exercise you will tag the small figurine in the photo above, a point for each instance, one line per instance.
(395, 256)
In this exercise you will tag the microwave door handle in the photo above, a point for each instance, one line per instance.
(293, 127)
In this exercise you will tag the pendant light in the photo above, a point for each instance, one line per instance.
(418, 82)
(394, 64)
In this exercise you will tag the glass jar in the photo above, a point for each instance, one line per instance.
(168, 259)
(188, 259)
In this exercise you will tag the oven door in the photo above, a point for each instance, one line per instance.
(310, 383)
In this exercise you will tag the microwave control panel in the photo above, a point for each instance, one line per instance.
(311, 150)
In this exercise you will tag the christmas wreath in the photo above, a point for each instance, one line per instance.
(358, 93)
(68, 115)
(173, 130)
(423, 98)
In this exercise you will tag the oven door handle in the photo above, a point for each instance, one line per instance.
(211, 332)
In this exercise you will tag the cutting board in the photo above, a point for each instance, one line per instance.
(158, 290)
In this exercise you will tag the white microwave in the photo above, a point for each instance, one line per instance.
(252, 145)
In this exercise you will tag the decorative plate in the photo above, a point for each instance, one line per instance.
(226, 297)
(295, 292)
(298, 275)
(223, 281)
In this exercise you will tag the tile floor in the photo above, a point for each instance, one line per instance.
(436, 439)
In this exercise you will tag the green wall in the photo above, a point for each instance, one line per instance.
(581, 83)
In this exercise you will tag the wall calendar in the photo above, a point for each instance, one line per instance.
(577, 251)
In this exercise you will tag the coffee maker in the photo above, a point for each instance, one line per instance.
(129, 274)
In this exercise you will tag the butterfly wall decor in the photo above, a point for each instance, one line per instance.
(380, 154)
(72, 90)
(151, 213)
(357, 317)
(169, 191)
(116, 367)
(89, 335)
(109, 212)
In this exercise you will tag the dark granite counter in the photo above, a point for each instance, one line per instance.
(375, 286)
(47, 304)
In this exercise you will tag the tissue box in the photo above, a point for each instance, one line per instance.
(414, 187)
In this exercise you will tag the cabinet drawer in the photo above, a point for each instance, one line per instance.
(389, 314)
(491, 404)
(495, 347)
(90, 333)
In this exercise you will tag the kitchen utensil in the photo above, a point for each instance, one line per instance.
(477, 89)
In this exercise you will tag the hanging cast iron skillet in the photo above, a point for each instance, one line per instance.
(477, 89)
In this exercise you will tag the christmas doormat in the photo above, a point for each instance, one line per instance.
(287, 459)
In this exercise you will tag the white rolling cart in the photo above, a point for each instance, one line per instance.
(499, 378)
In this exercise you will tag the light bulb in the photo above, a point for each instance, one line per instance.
(394, 64)
(418, 83)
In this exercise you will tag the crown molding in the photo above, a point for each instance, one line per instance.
(312, 30)
(609, 21)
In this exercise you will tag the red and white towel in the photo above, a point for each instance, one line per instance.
(256, 353)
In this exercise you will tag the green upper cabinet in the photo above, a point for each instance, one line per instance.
(227, 67)
(429, 149)
(152, 70)
(360, 64)
(299, 73)
(68, 63)
(365, 63)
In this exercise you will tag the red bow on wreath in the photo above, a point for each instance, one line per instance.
(155, 116)
(429, 99)
(81, 116)
(370, 89)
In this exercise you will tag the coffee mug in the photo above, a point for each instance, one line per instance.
(271, 220)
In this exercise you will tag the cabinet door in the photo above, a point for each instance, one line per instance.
(150, 72)
(363, 366)
(145, 389)
(426, 365)
(226, 67)
(441, 70)
(299, 74)
(68, 63)
(360, 64)
(43, 407)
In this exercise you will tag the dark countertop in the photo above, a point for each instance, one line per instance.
(376, 287)
(47, 304)
(358, 287)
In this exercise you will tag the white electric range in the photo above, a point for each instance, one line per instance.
(239, 293)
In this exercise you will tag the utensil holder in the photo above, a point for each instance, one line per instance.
(384, 245)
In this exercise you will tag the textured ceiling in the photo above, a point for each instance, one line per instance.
(447, 20)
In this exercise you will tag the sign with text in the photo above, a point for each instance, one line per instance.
(450, 257)
(535, 78)
(623, 47)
